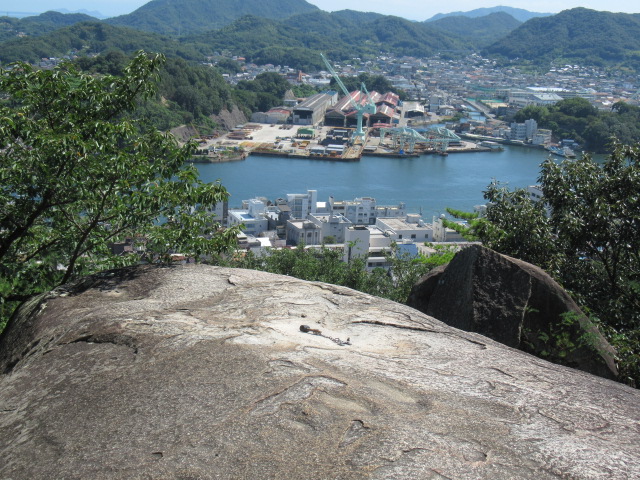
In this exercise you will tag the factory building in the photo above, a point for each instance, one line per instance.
(344, 115)
(313, 109)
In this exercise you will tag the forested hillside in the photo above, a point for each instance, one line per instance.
(576, 118)
(298, 40)
(293, 32)
(11, 28)
(91, 38)
(182, 17)
(579, 36)
(519, 14)
(480, 31)
(186, 93)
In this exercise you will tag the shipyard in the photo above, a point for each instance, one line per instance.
(344, 128)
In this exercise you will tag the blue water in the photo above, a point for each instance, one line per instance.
(428, 183)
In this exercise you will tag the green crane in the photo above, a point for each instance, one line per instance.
(369, 107)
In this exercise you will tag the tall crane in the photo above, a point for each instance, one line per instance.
(369, 107)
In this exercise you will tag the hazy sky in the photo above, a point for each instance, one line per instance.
(411, 9)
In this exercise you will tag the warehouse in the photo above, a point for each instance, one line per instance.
(312, 110)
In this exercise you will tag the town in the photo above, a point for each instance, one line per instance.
(453, 106)
(341, 128)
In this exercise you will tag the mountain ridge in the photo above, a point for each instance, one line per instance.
(579, 34)
(478, 30)
(519, 14)
(192, 16)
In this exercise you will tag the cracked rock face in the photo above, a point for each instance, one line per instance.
(203, 372)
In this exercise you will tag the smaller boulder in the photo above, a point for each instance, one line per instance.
(515, 303)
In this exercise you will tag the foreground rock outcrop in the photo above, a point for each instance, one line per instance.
(515, 303)
(204, 372)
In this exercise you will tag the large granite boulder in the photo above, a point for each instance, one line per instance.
(198, 372)
(515, 303)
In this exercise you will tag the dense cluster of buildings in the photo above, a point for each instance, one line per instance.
(435, 81)
(360, 227)
(326, 109)
(440, 87)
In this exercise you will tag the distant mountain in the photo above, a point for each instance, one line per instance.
(91, 13)
(297, 40)
(185, 17)
(92, 37)
(578, 35)
(404, 37)
(38, 24)
(517, 13)
(481, 31)
(357, 17)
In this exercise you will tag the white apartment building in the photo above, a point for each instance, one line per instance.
(253, 218)
(542, 137)
(524, 132)
(360, 211)
(443, 234)
(368, 242)
(303, 231)
(399, 229)
(331, 225)
(318, 228)
(390, 211)
(221, 212)
(302, 204)
(365, 211)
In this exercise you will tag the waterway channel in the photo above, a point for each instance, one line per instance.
(426, 184)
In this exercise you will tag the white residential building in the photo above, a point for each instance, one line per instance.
(303, 231)
(441, 233)
(399, 229)
(367, 242)
(253, 218)
(524, 132)
(302, 204)
(390, 211)
(331, 225)
(365, 211)
(542, 137)
(317, 229)
(360, 211)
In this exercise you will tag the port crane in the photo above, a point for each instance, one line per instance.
(404, 138)
(369, 107)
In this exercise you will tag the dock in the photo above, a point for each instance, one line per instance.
(316, 144)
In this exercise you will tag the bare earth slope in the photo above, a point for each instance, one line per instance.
(203, 372)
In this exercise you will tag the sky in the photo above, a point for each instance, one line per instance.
(410, 9)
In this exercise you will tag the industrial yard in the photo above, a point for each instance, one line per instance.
(330, 143)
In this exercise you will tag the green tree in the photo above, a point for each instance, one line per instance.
(325, 265)
(76, 174)
(304, 90)
(586, 233)
(538, 113)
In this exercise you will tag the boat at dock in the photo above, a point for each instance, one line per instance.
(491, 145)
(565, 152)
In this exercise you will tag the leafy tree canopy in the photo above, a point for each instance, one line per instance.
(586, 233)
(576, 118)
(578, 35)
(77, 173)
(326, 265)
(376, 83)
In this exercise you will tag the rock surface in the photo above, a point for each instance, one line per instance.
(515, 303)
(203, 372)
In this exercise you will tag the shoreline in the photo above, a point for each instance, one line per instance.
(272, 140)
